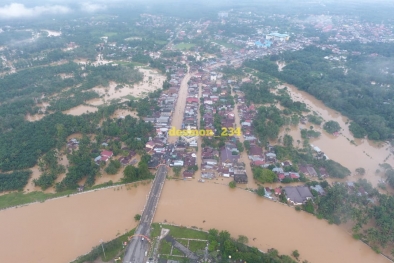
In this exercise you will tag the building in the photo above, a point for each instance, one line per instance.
(213, 76)
(223, 14)
(297, 195)
(277, 37)
(241, 178)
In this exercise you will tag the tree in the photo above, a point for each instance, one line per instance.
(296, 254)
(308, 207)
(260, 191)
(295, 120)
(177, 170)
(232, 184)
(113, 167)
(240, 147)
(331, 126)
(243, 239)
(264, 175)
(247, 145)
(360, 171)
(288, 141)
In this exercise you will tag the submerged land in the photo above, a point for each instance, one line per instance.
(302, 118)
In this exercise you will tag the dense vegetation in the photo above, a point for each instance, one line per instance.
(21, 148)
(331, 126)
(351, 93)
(14, 181)
(264, 175)
(221, 246)
(361, 204)
(51, 169)
(267, 123)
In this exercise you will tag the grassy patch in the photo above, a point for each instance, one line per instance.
(160, 42)
(111, 248)
(184, 46)
(227, 45)
(197, 245)
(183, 232)
(165, 247)
(177, 252)
(19, 198)
(182, 241)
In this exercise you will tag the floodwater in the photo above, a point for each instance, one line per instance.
(271, 224)
(151, 82)
(124, 113)
(367, 154)
(244, 156)
(180, 107)
(81, 109)
(62, 229)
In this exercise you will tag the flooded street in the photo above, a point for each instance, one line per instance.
(180, 107)
(367, 154)
(61, 230)
(244, 155)
(272, 225)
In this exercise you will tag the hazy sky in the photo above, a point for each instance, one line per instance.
(28, 9)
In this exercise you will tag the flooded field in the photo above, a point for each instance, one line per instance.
(366, 153)
(270, 224)
(81, 109)
(124, 113)
(36, 117)
(60, 230)
(151, 82)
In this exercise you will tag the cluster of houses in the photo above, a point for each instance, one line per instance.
(217, 104)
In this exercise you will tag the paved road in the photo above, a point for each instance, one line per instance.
(135, 252)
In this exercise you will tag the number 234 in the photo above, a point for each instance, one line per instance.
(231, 131)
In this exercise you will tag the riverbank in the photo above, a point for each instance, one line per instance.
(64, 228)
(270, 225)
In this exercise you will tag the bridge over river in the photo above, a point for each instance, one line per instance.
(135, 251)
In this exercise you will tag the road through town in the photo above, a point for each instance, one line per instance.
(135, 252)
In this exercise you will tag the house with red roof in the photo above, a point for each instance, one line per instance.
(105, 155)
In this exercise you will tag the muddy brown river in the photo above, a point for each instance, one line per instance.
(62, 229)
(271, 224)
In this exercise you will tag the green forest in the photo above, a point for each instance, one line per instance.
(352, 94)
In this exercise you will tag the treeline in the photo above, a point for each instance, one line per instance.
(81, 166)
(34, 81)
(102, 75)
(21, 147)
(305, 156)
(350, 93)
(362, 205)
(133, 132)
(267, 123)
(43, 59)
(50, 167)
(14, 181)
(257, 93)
(146, 106)
(222, 247)
(132, 173)
(66, 103)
